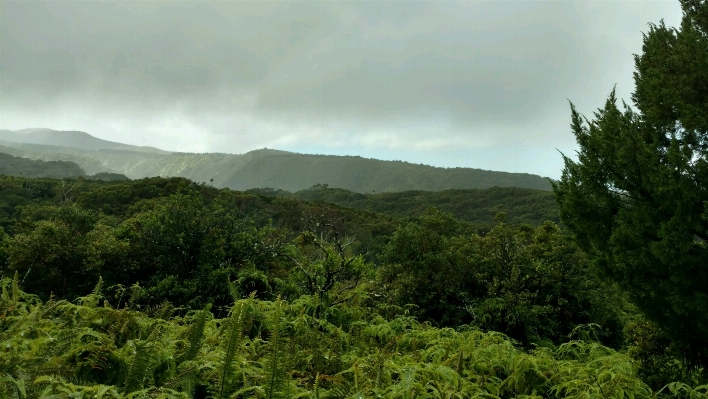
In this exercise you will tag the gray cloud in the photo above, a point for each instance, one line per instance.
(438, 82)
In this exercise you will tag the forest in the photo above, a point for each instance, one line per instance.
(476, 206)
(168, 288)
(172, 288)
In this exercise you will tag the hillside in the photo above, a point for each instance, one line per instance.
(16, 166)
(477, 206)
(262, 168)
(25, 167)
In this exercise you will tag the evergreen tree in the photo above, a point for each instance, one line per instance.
(637, 196)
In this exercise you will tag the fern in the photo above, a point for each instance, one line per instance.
(64, 350)
(195, 340)
(93, 299)
(15, 289)
(233, 332)
(12, 388)
(276, 386)
(139, 366)
(195, 336)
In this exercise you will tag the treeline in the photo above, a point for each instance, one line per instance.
(173, 244)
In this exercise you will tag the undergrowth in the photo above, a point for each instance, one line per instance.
(275, 349)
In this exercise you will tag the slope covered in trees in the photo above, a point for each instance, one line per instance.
(24, 167)
(476, 206)
(267, 168)
(16, 166)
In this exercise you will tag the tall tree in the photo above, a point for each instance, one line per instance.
(637, 196)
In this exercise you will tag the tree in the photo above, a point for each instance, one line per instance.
(187, 250)
(326, 266)
(636, 197)
(423, 266)
(58, 255)
(531, 284)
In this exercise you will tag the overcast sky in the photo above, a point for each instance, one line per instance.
(480, 84)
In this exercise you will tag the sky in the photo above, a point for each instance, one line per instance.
(482, 84)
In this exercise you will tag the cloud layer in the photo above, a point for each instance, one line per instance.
(474, 83)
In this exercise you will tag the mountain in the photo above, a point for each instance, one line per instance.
(261, 168)
(69, 139)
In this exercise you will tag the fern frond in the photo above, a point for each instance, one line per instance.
(139, 366)
(195, 336)
(276, 384)
(15, 288)
(12, 387)
(233, 331)
(92, 300)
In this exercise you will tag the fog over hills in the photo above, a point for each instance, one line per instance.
(261, 168)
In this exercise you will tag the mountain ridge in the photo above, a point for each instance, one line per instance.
(255, 169)
(69, 138)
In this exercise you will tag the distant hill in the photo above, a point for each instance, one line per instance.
(262, 168)
(24, 167)
(16, 166)
(478, 206)
(69, 139)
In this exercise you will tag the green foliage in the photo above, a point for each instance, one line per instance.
(275, 385)
(326, 268)
(181, 242)
(171, 256)
(63, 350)
(636, 199)
(16, 166)
(477, 206)
(529, 283)
(48, 255)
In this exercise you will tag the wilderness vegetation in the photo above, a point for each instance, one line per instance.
(475, 206)
(167, 288)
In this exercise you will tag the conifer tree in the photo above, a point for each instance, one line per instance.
(637, 197)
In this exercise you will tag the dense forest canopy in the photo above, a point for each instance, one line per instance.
(476, 206)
